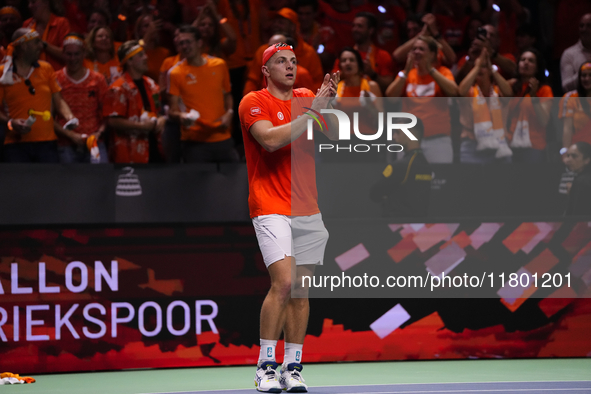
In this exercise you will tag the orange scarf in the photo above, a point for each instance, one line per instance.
(488, 122)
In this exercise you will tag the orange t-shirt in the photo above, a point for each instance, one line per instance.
(282, 182)
(524, 115)
(169, 63)
(110, 70)
(56, 30)
(581, 119)
(202, 89)
(85, 98)
(19, 100)
(123, 99)
(434, 112)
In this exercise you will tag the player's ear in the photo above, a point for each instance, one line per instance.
(265, 71)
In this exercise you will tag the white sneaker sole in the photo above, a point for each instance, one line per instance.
(271, 390)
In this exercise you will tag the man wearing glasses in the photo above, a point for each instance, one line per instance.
(27, 84)
(203, 85)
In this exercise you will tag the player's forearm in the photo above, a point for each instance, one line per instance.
(277, 137)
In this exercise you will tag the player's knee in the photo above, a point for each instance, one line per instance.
(282, 287)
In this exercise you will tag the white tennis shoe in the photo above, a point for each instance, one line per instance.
(265, 378)
(291, 379)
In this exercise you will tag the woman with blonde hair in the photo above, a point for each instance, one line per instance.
(100, 55)
(425, 83)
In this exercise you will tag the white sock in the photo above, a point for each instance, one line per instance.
(267, 352)
(293, 353)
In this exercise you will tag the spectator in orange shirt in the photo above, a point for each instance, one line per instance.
(577, 110)
(286, 22)
(203, 84)
(84, 91)
(354, 84)
(52, 29)
(529, 112)
(29, 84)
(131, 107)
(147, 28)
(424, 83)
(101, 53)
(10, 20)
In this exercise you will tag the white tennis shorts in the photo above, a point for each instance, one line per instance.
(303, 237)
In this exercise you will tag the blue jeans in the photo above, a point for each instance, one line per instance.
(69, 154)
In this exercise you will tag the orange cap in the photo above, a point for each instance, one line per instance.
(290, 14)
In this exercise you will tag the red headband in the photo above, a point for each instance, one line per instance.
(273, 49)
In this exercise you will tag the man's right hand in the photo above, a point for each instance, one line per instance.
(20, 126)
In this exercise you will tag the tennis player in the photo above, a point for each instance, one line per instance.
(283, 207)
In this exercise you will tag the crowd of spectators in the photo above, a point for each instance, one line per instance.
(147, 81)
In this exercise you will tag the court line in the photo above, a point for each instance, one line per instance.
(471, 391)
(418, 392)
